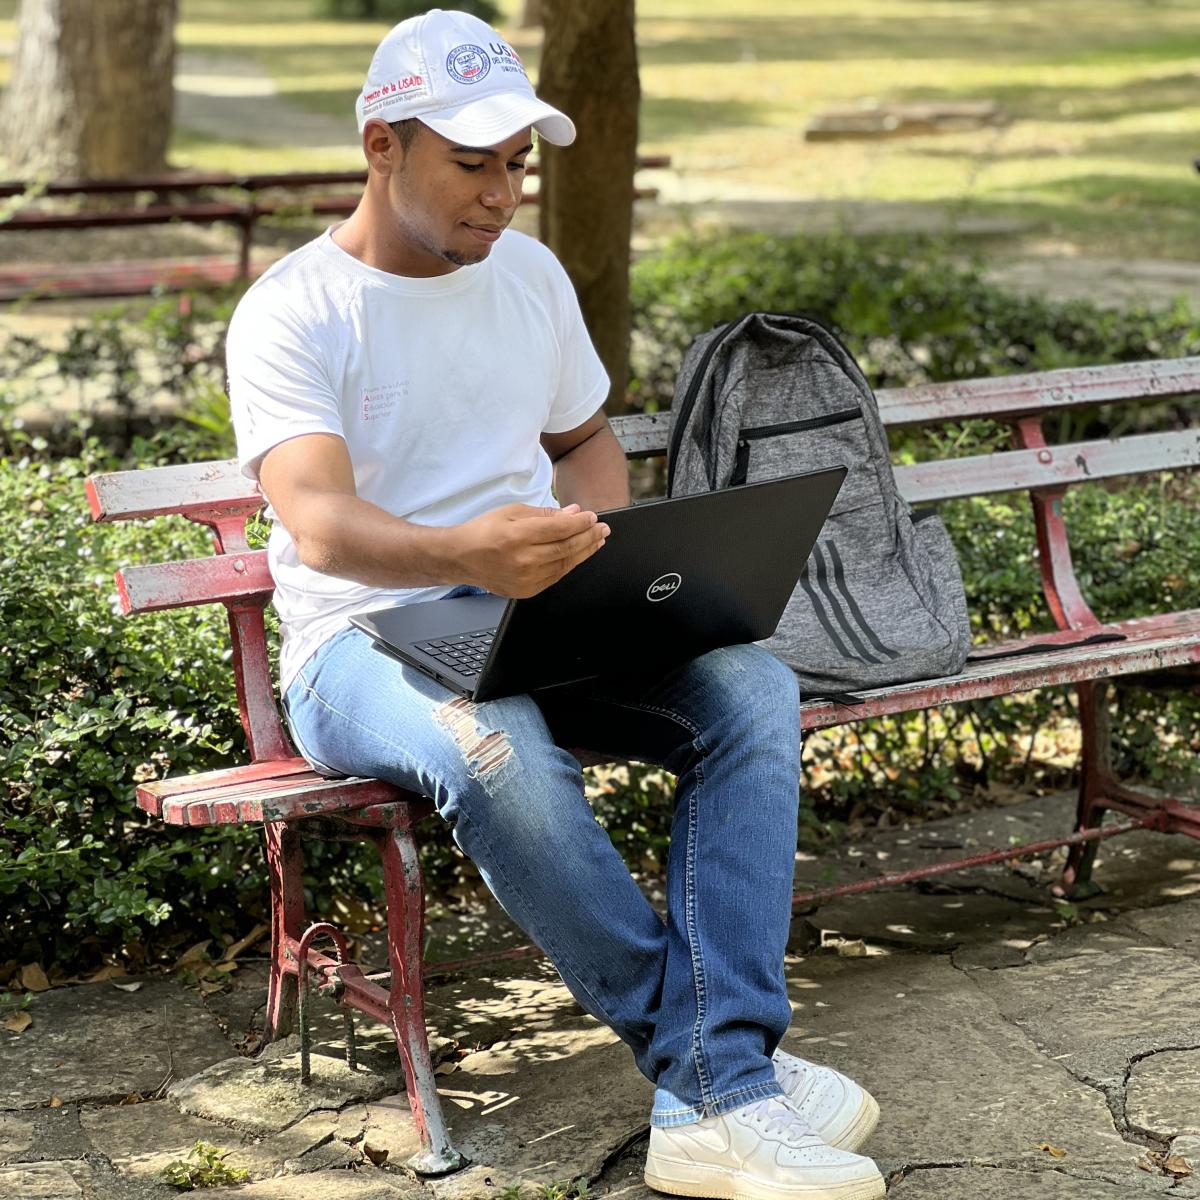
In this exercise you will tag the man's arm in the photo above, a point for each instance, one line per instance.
(516, 550)
(589, 465)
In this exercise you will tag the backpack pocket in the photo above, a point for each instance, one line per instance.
(741, 461)
(790, 448)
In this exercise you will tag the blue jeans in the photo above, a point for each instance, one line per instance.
(700, 999)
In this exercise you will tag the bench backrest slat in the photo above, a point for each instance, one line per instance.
(1006, 397)
(199, 490)
(1003, 397)
(190, 490)
(227, 578)
(1053, 466)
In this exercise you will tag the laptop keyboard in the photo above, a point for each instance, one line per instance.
(464, 653)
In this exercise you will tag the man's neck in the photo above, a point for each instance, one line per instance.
(365, 235)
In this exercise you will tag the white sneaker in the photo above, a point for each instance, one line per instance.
(762, 1151)
(842, 1113)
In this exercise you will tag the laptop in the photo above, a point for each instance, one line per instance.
(675, 579)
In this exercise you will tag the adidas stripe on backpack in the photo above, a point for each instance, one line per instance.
(881, 600)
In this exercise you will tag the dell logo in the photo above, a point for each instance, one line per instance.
(664, 586)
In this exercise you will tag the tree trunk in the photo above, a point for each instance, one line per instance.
(92, 90)
(589, 70)
(531, 14)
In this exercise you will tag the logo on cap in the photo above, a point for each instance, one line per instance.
(468, 64)
(664, 586)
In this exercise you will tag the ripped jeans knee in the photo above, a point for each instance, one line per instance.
(484, 752)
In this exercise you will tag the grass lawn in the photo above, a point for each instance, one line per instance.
(1103, 98)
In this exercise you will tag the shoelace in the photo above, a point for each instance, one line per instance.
(777, 1118)
(792, 1073)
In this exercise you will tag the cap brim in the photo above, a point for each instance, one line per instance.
(491, 119)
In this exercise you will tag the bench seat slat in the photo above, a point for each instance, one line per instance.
(240, 776)
(264, 788)
(1153, 644)
(302, 795)
(290, 790)
(223, 577)
(1054, 466)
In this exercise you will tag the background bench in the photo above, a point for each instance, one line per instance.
(184, 198)
(278, 789)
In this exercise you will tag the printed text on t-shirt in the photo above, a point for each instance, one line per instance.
(380, 401)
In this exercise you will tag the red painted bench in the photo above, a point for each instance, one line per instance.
(277, 789)
(182, 197)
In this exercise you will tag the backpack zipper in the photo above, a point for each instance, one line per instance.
(741, 462)
(834, 418)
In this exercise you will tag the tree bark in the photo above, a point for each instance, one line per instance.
(589, 70)
(92, 89)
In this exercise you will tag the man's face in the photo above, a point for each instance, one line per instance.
(450, 202)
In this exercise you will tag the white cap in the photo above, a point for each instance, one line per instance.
(461, 78)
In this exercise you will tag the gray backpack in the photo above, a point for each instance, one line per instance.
(881, 600)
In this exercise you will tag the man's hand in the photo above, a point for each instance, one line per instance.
(517, 551)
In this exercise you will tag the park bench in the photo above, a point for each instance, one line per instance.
(186, 198)
(278, 789)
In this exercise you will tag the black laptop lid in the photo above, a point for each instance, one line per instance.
(675, 579)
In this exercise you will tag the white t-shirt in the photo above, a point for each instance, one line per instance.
(440, 388)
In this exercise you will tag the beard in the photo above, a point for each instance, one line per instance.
(418, 235)
(459, 259)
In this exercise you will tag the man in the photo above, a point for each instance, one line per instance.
(407, 389)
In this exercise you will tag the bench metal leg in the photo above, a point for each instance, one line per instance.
(406, 1002)
(1096, 782)
(285, 863)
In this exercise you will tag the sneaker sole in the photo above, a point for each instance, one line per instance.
(720, 1184)
(860, 1128)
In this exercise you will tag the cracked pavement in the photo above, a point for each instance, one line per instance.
(1019, 1048)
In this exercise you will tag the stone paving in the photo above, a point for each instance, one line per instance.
(1018, 1048)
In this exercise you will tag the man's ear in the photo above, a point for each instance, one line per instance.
(381, 148)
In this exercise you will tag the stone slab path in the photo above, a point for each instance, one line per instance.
(1019, 1049)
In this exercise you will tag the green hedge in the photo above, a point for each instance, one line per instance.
(912, 310)
(89, 703)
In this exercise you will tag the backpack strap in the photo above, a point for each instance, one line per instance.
(689, 399)
(852, 699)
(1094, 640)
